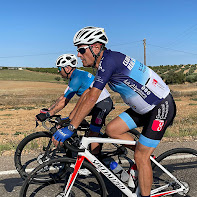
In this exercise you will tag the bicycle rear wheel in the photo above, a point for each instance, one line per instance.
(182, 163)
(88, 182)
(33, 150)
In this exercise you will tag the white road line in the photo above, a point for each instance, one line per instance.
(180, 157)
(12, 172)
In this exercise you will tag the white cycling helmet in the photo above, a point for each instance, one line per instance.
(90, 35)
(67, 60)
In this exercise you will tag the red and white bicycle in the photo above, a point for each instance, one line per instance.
(174, 174)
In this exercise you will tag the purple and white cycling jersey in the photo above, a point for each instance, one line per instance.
(139, 86)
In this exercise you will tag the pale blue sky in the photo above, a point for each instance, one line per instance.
(35, 32)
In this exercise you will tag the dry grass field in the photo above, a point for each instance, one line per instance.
(20, 101)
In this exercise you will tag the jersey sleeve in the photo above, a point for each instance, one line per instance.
(105, 71)
(72, 88)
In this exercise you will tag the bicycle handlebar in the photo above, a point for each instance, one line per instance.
(73, 148)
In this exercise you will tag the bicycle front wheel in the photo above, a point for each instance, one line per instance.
(182, 164)
(88, 182)
(33, 150)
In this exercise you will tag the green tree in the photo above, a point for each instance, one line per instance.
(175, 78)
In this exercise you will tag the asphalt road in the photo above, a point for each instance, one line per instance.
(10, 182)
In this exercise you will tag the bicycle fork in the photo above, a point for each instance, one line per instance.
(73, 175)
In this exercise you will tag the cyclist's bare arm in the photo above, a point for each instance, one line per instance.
(57, 101)
(86, 106)
(78, 103)
(59, 105)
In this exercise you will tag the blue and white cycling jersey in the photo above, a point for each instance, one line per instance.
(139, 86)
(79, 82)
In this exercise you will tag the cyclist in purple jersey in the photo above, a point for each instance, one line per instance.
(151, 104)
(79, 84)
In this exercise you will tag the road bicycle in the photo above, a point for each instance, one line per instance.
(38, 148)
(174, 174)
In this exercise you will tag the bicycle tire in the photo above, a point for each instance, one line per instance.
(27, 162)
(89, 184)
(182, 163)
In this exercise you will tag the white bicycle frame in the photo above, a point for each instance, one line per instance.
(109, 175)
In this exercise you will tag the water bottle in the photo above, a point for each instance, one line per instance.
(132, 175)
(119, 171)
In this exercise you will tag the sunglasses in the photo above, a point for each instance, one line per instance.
(82, 50)
(59, 68)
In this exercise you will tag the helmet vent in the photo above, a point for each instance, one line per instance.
(103, 38)
(98, 33)
(59, 61)
(89, 35)
(83, 33)
(90, 39)
(68, 58)
(78, 34)
(73, 62)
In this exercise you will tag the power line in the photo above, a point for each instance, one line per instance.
(125, 43)
(173, 49)
(183, 35)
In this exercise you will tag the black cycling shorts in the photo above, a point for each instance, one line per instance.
(154, 123)
(99, 113)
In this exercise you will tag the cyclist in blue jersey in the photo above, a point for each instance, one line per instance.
(79, 84)
(150, 103)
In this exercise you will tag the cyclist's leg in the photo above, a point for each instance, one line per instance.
(142, 159)
(118, 128)
(99, 113)
(155, 124)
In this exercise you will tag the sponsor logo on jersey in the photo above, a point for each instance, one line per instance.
(143, 92)
(146, 90)
(89, 75)
(157, 125)
(70, 88)
(155, 82)
(99, 79)
(100, 65)
(129, 62)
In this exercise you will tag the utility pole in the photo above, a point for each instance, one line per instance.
(144, 51)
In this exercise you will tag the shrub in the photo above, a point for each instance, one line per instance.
(191, 78)
(175, 78)
(57, 78)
